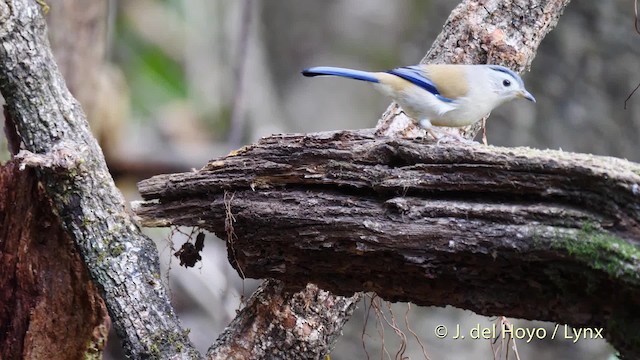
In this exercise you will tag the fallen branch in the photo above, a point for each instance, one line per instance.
(532, 234)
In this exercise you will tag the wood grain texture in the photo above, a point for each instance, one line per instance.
(544, 235)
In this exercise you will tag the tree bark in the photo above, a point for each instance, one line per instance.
(281, 323)
(40, 318)
(532, 234)
(70, 165)
(122, 261)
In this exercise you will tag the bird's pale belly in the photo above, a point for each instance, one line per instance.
(456, 117)
(422, 105)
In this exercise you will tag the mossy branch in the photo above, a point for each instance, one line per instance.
(544, 235)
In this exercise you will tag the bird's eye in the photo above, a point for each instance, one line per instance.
(506, 83)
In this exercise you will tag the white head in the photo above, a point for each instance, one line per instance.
(506, 84)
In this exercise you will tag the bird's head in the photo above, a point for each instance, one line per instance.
(507, 84)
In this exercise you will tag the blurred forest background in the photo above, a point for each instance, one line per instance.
(168, 85)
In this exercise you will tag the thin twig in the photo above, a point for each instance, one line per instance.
(484, 131)
(406, 323)
(630, 95)
(400, 333)
(231, 235)
(367, 313)
(504, 321)
(375, 302)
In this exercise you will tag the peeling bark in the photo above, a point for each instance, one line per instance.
(281, 323)
(49, 308)
(532, 234)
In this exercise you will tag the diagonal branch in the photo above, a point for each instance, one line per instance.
(285, 323)
(69, 163)
(544, 235)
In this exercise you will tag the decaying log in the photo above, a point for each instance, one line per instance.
(532, 234)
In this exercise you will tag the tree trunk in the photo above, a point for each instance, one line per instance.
(54, 132)
(70, 165)
(42, 318)
(284, 323)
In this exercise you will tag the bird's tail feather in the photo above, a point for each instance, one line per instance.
(342, 72)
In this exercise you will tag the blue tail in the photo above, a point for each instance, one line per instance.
(342, 72)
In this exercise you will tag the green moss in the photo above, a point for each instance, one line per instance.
(172, 339)
(154, 349)
(602, 251)
(96, 345)
(92, 356)
(117, 250)
(86, 221)
(101, 258)
(44, 6)
(92, 352)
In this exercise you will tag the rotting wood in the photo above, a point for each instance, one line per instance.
(544, 235)
(36, 312)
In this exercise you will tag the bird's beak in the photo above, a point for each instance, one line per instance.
(524, 94)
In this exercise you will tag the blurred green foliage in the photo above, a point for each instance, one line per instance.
(154, 77)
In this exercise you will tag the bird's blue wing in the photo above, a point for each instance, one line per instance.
(415, 75)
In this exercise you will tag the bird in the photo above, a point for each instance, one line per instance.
(441, 95)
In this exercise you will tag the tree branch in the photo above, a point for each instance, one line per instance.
(281, 323)
(69, 163)
(544, 235)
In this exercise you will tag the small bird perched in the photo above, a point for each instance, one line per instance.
(441, 95)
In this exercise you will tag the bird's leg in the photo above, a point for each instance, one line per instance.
(441, 136)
